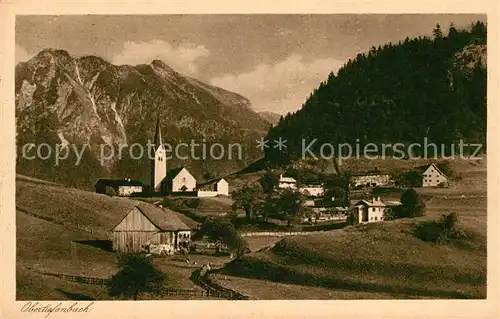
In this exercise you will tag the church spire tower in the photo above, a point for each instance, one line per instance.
(159, 163)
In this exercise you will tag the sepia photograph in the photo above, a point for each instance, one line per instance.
(211, 157)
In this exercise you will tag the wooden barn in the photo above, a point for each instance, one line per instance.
(145, 225)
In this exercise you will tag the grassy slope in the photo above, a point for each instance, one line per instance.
(54, 245)
(381, 260)
(34, 286)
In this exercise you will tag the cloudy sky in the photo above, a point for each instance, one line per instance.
(274, 60)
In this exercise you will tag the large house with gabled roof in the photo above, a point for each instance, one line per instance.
(433, 177)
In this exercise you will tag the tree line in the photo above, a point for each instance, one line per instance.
(397, 93)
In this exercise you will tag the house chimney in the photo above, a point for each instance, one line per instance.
(373, 199)
(378, 199)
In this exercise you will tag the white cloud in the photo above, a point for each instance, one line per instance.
(281, 87)
(181, 58)
(21, 54)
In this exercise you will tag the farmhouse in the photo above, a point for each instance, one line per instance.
(122, 187)
(218, 187)
(370, 180)
(368, 211)
(146, 225)
(312, 190)
(179, 180)
(433, 177)
(221, 186)
(287, 182)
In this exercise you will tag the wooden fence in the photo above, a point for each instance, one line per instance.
(279, 234)
(210, 289)
(202, 278)
(75, 278)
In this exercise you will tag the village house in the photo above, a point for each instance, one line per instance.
(218, 187)
(147, 226)
(312, 190)
(368, 211)
(433, 177)
(323, 211)
(370, 180)
(122, 187)
(287, 182)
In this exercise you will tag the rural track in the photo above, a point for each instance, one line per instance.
(200, 278)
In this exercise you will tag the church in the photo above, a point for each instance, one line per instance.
(177, 181)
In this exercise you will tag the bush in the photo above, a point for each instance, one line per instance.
(410, 179)
(110, 191)
(445, 168)
(441, 231)
(392, 213)
(193, 203)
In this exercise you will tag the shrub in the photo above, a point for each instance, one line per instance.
(392, 213)
(445, 168)
(441, 231)
(193, 203)
(110, 191)
(410, 178)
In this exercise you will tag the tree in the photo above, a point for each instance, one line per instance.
(409, 178)
(411, 204)
(338, 186)
(247, 198)
(269, 181)
(290, 205)
(137, 275)
(438, 34)
(222, 232)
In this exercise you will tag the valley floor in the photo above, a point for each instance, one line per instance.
(59, 230)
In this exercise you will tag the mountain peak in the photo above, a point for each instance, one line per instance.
(54, 52)
(160, 64)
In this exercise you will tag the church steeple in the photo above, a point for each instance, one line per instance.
(159, 162)
(158, 141)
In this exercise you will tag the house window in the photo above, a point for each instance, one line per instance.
(183, 179)
(376, 218)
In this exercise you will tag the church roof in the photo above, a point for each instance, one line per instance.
(158, 141)
(171, 174)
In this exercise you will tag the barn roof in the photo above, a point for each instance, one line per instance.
(163, 218)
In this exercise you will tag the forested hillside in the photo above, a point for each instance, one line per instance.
(397, 93)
